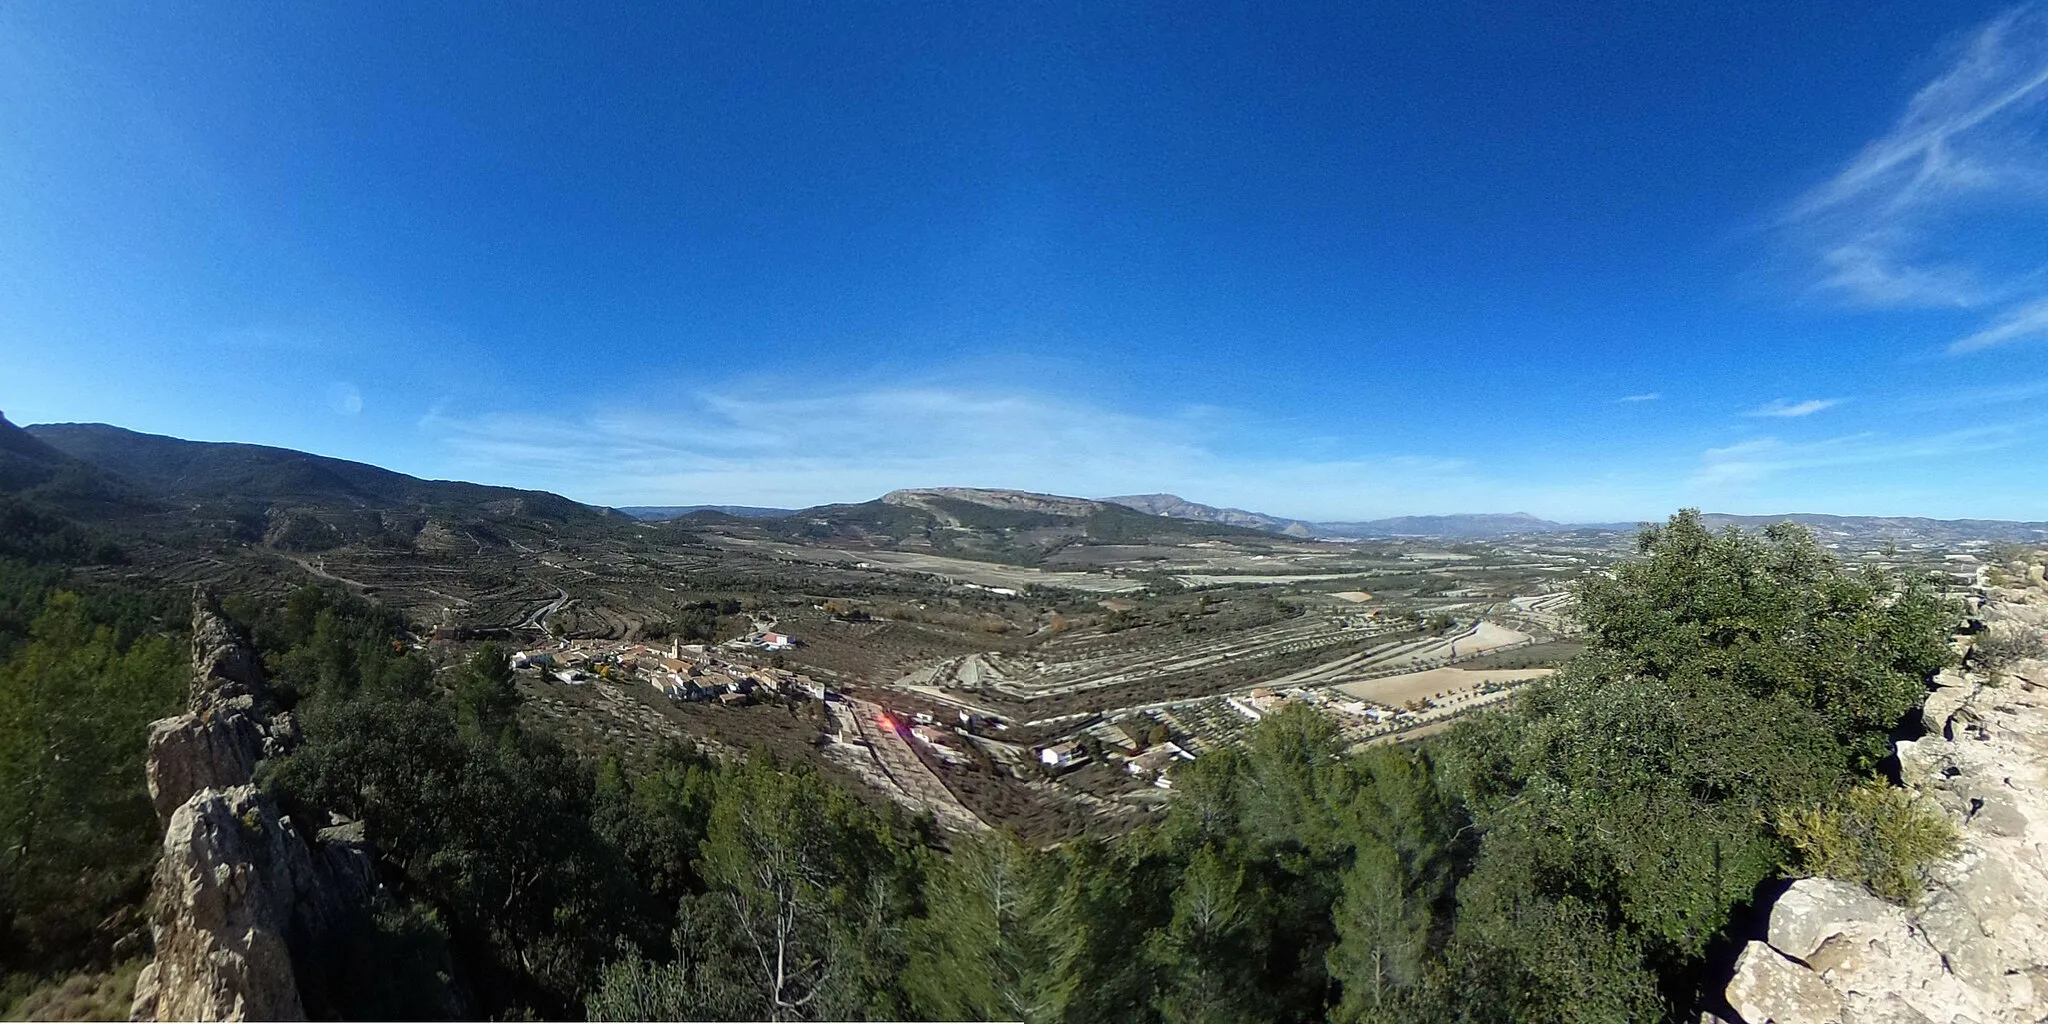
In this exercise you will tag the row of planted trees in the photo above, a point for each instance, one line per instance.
(1578, 856)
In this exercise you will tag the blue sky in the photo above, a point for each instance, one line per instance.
(1588, 260)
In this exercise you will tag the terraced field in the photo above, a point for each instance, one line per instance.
(1097, 670)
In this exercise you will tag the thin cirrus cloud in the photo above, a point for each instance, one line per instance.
(1938, 211)
(796, 450)
(1754, 461)
(1782, 409)
(1647, 396)
(2024, 323)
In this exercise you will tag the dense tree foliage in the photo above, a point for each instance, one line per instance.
(1573, 858)
(84, 667)
(76, 826)
(1578, 856)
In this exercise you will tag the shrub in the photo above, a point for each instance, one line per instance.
(2000, 647)
(1876, 834)
(84, 996)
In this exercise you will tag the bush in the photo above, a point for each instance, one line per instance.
(2000, 647)
(1876, 834)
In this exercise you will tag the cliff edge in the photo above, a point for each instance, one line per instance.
(1975, 946)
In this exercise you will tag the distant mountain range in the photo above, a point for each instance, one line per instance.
(1482, 526)
(1467, 526)
(660, 513)
(292, 499)
(1893, 528)
(988, 524)
(1180, 508)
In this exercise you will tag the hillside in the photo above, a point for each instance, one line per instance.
(32, 469)
(1011, 527)
(1177, 507)
(293, 499)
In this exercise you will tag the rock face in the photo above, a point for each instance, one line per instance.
(225, 730)
(241, 894)
(1975, 947)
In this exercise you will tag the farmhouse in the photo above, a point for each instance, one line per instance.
(1062, 755)
(1158, 763)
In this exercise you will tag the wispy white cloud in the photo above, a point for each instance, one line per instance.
(345, 398)
(1647, 396)
(2017, 324)
(1928, 214)
(801, 449)
(1782, 409)
(1753, 461)
(1979, 398)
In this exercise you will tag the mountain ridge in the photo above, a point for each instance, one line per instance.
(1481, 525)
(100, 470)
(663, 513)
(282, 497)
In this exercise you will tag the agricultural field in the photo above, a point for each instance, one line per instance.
(940, 679)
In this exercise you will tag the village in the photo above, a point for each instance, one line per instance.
(683, 672)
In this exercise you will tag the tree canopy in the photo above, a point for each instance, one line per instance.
(1577, 855)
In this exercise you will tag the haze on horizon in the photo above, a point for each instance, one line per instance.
(1593, 262)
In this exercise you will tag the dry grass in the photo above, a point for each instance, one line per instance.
(85, 996)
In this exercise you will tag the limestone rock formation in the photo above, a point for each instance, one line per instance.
(226, 729)
(241, 894)
(1975, 947)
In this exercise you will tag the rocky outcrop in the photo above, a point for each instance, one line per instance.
(241, 896)
(226, 728)
(1975, 946)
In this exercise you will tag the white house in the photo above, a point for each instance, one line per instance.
(1062, 755)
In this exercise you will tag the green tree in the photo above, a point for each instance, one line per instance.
(486, 695)
(1211, 954)
(1772, 613)
(1624, 804)
(996, 943)
(1393, 916)
(76, 827)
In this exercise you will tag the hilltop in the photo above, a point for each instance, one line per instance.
(31, 468)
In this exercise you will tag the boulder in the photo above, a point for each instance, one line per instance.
(1817, 912)
(190, 753)
(1769, 989)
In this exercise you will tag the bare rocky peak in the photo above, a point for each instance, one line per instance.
(1975, 946)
